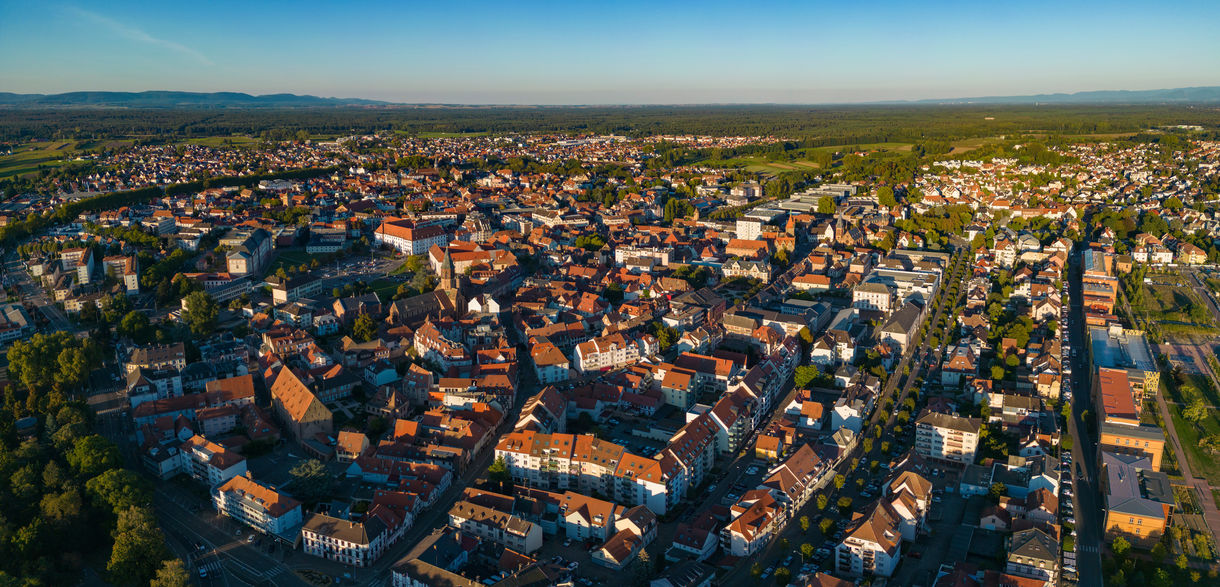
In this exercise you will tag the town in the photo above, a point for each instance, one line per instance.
(583, 358)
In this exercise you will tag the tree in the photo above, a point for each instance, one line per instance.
(1120, 547)
(364, 328)
(997, 372)
(825, 525)
(93, 455)
(1195, 411)
(805, 375)
(840, 481)
(756, 570)
(997, 491)
(117, 490)
(200, 313)
(171, 574)
(498, 471)
(804, 523)
(1173, 203)
(822, 501)
(885, 197)
(613, 293)
(806, 551)
(826, 205)
(310, 480)
(135, 325)
(1162, 579)
(139, 547)
(783, 576)
(844, 503)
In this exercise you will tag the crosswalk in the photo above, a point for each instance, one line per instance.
(211, 566)
(1087, 548)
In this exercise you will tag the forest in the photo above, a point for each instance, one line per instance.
(820, 125)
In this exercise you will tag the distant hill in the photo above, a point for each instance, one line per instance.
(1199, 95)
(168, 99)
(237, 100)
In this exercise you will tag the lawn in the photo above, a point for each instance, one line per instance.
(293, 258)
(1202, 464)
(1163, 302)
(385, 289)
(1193, 385)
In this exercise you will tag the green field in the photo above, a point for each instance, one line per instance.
(444, 135)
(233, 141)
(762, 164)
(28, 157)
(291, 259)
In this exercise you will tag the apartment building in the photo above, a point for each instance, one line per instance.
(351, 543)
(947, 437)
(608, 352)
(505, 529)
(872, 545)
(158, 356)
(259, 506)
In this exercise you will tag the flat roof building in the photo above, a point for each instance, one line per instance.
(1120, 348)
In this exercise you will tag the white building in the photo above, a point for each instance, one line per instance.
(946, 437)
(873, 545)
(258, 506)
(405, 237)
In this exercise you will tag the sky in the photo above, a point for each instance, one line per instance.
(619, 52)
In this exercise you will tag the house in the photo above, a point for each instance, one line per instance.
(962, 365)
(900, 328)
(618, 551)
(696, 539)
(351, 444)
(550, 364)
(1034, 554)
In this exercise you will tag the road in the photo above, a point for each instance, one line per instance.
(771, 553)
(15, 271)
(1084, 450)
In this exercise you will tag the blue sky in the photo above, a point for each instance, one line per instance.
(609, 53)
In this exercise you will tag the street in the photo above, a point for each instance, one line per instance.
(1084, 451)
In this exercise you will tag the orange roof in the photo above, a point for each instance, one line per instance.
(275, 503)
(1117, 401)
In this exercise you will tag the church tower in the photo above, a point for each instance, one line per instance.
(451, 285)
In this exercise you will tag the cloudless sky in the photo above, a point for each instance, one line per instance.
(614, 52)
